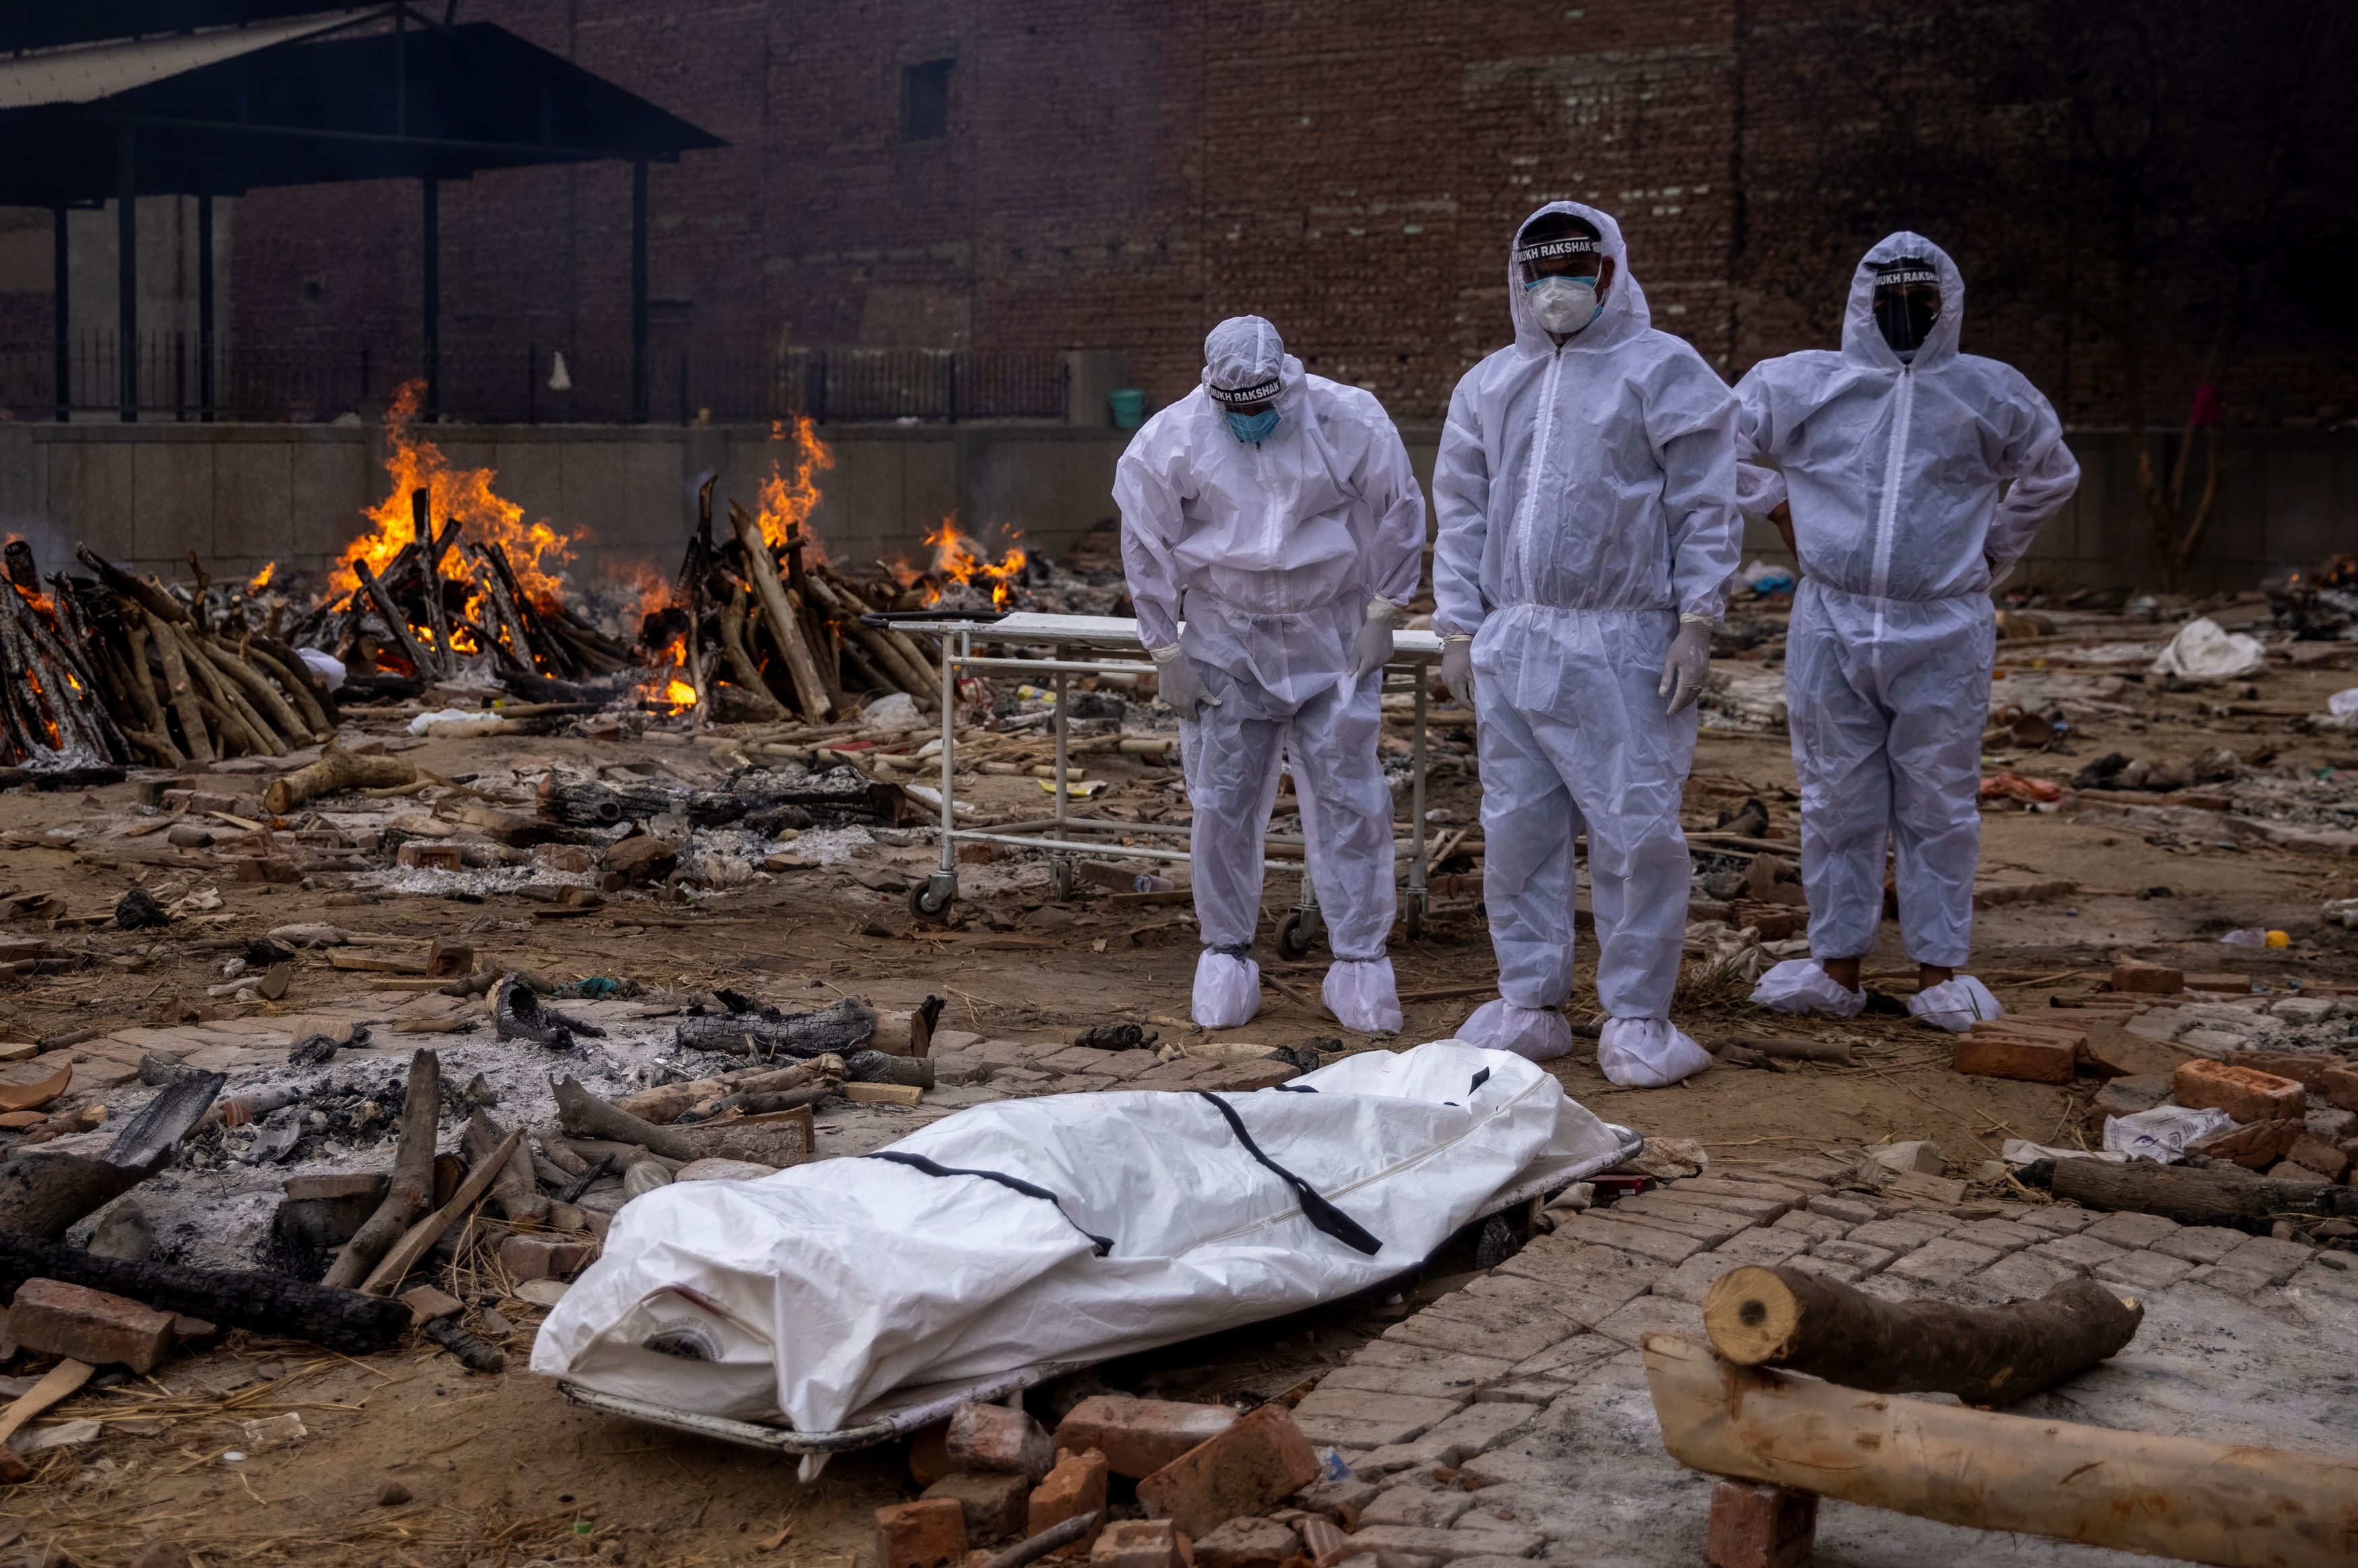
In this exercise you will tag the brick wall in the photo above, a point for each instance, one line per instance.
(1124, 177)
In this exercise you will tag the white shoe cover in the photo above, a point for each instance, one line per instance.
(1538, 1033)
(1227, 991)
(1956, 1005)
(1646, 1053)
(1803, 985)
(1362, 995)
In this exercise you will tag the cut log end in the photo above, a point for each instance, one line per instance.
(1752, 1315)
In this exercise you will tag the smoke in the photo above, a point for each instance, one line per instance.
(53, 546)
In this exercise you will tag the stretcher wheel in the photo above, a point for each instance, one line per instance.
(1297, 932)
(929, 900)
(1413, 921)
(1060, 876)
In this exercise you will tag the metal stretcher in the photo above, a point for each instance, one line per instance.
(1106, 645)
(905, 1411)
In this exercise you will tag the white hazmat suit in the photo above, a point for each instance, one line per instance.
(1282, 549)
(1586, 498)
(1894, 473)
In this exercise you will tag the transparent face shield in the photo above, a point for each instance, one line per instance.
(1560, 280)
(1907, 304)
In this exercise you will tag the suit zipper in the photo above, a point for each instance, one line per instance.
(1887, 514)
(1524, 513)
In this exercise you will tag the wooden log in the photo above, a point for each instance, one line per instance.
(668, 1102)
(2231, 1198)
(412, 1191)
(429, 577)
(229, 707)
(810, 693)
(44, 1195)
(302, 675)
(336, 770)
(425, 668)
(1836, 1051)
(198, 740)
(249, 1298)
(263, 697)
(842, 1027)
(2228, 1504)
(404, 1254)
(1985, 1355)
(135, 640)
(59, 1383)
(746, 676)
(514, 1195)
(584, 1115)
(149, 595)
(919, 683)
(308, 713)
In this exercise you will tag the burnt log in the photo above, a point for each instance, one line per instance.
(2231, 1198)
(338, 1319)
(840, 1029)
(517, 1013)
(412, 1191)
(1985, 1355)
(44, 1195)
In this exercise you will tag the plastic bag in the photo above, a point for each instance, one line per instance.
(1803, 985)
(1534, 1033)
(2205, 650)
(2163, 1133)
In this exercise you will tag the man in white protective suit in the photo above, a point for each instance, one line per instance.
(1281, 506)
(1908, 477)
(1585, 490)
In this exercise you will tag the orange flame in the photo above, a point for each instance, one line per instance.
(679, 694)
(653, 587)
(957, 559)
(465, 494)
(261, 579)
(786, 503)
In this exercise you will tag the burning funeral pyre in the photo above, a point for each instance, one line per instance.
(451, 587)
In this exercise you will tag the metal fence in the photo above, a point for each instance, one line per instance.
(526, 383)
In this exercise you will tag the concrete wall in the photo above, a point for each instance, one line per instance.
(240, 496)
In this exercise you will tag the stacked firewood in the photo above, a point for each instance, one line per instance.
(444, 602)
(760, 634)
(111, 669)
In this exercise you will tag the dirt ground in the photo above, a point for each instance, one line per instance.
(411, 1459)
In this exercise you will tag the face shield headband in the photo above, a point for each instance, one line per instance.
(1533, 259)
(1907, 303)
(1240, 396)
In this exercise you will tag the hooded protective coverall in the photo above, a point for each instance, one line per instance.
(1279, 548)
(1893, 472)
(1586, 498)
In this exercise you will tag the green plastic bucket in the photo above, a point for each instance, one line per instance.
(1129, 407)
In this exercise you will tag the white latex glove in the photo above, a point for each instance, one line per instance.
(1457, 669)
(1178, 682)
(1688, 665)
(1372, 648)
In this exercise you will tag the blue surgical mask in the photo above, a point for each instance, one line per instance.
(1253, 427)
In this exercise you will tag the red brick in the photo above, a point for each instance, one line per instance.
(2255, 1146)
(993, 1437)
(1077, 1485)
(2340, 1087)
(1992, 1051)
(1760, 1527)
(540, 1258)
(2324, 1158)
(1137, 1543)
(1248, 1542)
(924, 1534)
(2305, 1069)
(427, 1303)
(1258, 1463)
(995, 1501)
(1138, 1436)
(53, 1318)
(2243, 1093)
(2150, 979)
(1324, 1542)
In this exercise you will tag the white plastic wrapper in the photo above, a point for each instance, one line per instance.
(808, 1294)
(1362, 995)
(326, 665)
(2163, 1133)
(1802, 985)
(1537, 1033)
(1956, 1005)
(1646, 1053)
(2205, 650)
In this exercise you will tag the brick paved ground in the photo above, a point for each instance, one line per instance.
(1528, 1383)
